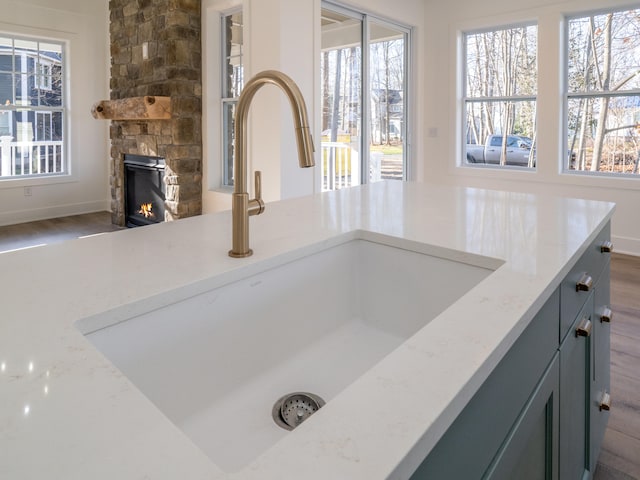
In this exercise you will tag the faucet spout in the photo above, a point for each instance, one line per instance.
(242, 206)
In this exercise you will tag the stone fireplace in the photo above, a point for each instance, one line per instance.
(156, 51)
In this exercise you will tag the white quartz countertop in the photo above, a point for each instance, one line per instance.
(67, 413)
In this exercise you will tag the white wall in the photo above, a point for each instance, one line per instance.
(444, 22)
(282, 35)
(276, 36)
(83, 24)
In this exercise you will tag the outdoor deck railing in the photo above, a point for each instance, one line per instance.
(340, 166)
(30, 158)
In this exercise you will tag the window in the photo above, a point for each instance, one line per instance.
(500, 87)
(32, 108)
(603, 93)
(44, 126)
(364, 98)
(44, 77)
(232, 83)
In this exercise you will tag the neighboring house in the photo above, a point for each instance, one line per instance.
(30, 107)
(386, 102)
(30, 80)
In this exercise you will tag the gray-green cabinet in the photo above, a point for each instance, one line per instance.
(584, 360)
(505, 410)
(542, 412)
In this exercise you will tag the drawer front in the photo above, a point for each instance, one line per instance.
(589, 266)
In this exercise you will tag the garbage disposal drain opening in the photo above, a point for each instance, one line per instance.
(294, 408)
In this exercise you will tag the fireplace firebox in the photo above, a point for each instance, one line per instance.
(144, 189)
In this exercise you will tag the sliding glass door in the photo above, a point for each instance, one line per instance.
(364, 98)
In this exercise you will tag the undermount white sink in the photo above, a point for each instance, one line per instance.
(215, 363)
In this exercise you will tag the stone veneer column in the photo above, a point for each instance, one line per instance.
(168, 31)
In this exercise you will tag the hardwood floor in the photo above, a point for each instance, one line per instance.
(620, 456)
(25, 235)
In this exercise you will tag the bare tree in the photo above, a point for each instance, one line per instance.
(326, 98)
(603, 78)
(512, 42)
(336, 97)
(603, 55)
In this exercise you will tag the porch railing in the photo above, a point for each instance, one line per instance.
(340, 166)
(30, 158)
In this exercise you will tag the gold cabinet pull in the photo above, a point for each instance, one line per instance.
(606, 247)
(584, 329)
(605, 403)
(606, 315)
(585, 283)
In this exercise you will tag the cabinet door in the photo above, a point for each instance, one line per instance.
(600, 365)
(470, 444)
(531, 449)
(575, 390)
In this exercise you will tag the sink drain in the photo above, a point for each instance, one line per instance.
(294, 408)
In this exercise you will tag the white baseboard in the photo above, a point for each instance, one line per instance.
(626, 245)
(22, 216)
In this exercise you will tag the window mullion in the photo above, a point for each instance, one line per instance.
(365, 103)
(604, 93)
(514, 98)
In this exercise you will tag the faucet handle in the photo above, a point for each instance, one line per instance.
(256, 206)
(258, 184)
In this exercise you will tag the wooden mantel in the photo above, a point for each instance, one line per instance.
(133, 108)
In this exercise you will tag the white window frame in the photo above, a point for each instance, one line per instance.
(227, 102)
(567, 96)
(18, 106)
(465, 99)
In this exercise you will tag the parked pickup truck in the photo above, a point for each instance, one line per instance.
(518, 150)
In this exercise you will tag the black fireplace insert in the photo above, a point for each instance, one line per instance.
(144, 189)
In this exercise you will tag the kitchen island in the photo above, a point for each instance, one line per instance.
(68, 412)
